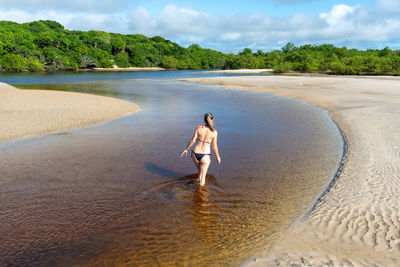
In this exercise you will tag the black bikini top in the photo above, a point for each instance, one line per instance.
(203, 141)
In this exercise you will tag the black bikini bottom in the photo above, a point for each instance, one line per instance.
(198, 155)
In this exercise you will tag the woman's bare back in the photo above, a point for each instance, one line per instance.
(204, 139)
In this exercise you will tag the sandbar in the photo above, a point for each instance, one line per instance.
(240, 71)
(356, 221)
(25, 113)
(125, 69)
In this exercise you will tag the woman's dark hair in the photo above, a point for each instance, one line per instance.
(208, 119)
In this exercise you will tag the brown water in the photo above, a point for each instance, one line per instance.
(118, 194)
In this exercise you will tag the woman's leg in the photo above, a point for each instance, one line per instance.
(204, 164)
(196, 162)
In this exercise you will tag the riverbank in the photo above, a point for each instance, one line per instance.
(241, 71)
(25, 113)
(357, 220)
(125, 69)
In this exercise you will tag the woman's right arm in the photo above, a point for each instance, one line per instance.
(215, 147)
(191, 142)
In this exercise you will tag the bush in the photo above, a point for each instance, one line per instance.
(121, 60)
(283, 67)
(88, 62)
(11, 62)
(33, 64)
(169, 62)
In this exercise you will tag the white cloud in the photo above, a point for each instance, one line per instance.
(358, 23)
(390, 6)
(106, 6)
(173, 22)
(341, 25)
(185, 24)
(183, 21)
(115, 22)
(141, 21)
(230, 36)
(338, 16)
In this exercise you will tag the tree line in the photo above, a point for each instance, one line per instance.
(46, 46)
(321, 59)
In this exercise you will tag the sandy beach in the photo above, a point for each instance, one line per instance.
(25, 113)
(356, 221)
(240, 71)
(130, 69)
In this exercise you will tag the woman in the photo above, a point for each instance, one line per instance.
(205, 135)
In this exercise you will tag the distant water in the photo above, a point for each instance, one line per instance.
(117, 193)
(83, 76)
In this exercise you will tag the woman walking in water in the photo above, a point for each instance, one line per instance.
(205, 135)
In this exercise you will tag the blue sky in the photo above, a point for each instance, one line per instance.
(227, 26)
(267, 7)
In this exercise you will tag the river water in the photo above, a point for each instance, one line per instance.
(118, 193)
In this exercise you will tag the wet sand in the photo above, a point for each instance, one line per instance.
(25, 113)
(356, 221)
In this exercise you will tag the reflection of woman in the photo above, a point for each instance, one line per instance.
(205, 136)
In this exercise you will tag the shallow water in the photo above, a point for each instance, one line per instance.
(117, 193)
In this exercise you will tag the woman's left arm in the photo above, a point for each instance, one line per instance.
(191, 142)
(215, 147)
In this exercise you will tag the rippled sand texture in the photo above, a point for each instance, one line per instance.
(357, 221)
(26, 113)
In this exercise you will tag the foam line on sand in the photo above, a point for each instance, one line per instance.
(25, 113)
(357, 221)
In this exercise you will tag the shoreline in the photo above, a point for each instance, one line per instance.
(357, 219)
(123, 69)
(241, 71)
(27, 113)
(90, 70)
(339, 170)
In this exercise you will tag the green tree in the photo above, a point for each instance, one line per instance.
(33, 64)
(289, 47)
(13, 62)
(117, 44)
(122, 60)
(88, 62)
(46, 46)
(169, 62)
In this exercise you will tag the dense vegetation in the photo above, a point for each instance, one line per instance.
(322, 58)
(47, 46)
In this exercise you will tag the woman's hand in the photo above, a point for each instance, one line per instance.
(184, 153)
(219, 159)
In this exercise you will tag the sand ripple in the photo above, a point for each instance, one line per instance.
(357, 220)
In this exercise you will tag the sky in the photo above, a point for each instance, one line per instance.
(226, 26)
